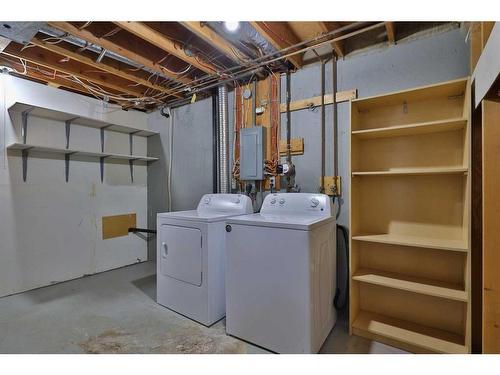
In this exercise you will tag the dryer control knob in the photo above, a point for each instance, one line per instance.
(273, 201)
(206, 200)
(237, 200)
(282, 201)
(314, 202)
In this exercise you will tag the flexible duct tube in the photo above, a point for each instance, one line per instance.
(223, 136)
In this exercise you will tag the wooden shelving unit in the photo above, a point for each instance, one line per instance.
(412, 171)
(68, 119)
(410, 218)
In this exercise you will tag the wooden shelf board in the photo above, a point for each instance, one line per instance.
(442, 89)
(412, 129)
(415, 241)
(411, 284)
(80, 120)
(108, 155)
(414, 171)
(412, 335)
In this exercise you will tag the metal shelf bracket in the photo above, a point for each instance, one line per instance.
(131, 161)
(68, 129)
(101, 165)
(102, 135)
(66, 164)
(24, 154)
(24, 117)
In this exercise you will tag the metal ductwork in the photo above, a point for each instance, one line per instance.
(222, 140)
(247, 39)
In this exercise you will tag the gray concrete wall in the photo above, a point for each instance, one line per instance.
(431, 59)
(50, 229)
(191, 162)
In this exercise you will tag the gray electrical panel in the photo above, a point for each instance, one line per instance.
(252, 141)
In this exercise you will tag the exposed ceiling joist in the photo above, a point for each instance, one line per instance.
(107, 68)
(159, 40)
(110, 46)
(280, 35)
(51, 80)
(391, 32)
(338, 46)
(214, 39)
(53, 61)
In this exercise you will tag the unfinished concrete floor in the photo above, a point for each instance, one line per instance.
(116, 312)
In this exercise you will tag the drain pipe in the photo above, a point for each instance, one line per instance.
(335, 117)
(223, 140)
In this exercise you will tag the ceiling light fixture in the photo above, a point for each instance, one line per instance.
(231, 26)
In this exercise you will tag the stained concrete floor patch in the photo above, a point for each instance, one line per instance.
(116, 312)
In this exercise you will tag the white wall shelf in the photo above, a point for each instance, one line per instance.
(27, 111)
(76, 119)
(110, 156)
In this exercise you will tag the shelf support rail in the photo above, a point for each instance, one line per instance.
(102, 136)
(101, 165)
(66, 164)
(24, 154)
(131, 161)
(24, 117)
(68, 129)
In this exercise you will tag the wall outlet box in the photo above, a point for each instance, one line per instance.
(332, 185)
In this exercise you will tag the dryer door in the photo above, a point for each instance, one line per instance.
(180, 253)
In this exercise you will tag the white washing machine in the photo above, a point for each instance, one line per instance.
(190, 256)
(281, 273)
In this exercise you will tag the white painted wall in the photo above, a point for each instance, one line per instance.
(50, 230)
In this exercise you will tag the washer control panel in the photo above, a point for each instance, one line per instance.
(297, 202)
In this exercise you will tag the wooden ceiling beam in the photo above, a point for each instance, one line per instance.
(338, 46)
(53, 61)
(280, 35)
(53, 81)
(159, 40)
(214, 39)
(107, 68)
(115, 48)
(391, 32)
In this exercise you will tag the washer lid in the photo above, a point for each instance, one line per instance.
(194, 215)
(300, 222)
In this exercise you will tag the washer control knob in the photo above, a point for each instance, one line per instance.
(237, 200)
(273, 201)
(314, 202)
(282, 201)
(206, 200)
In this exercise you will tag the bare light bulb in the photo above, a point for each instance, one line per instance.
(231, 26)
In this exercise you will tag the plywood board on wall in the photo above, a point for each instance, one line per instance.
(491, 223)
(117, 225)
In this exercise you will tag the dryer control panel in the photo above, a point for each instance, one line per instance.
(236, 204)
(297, 202)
